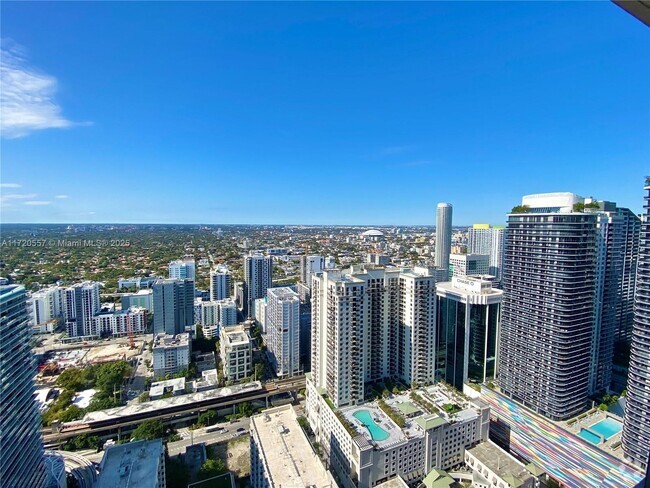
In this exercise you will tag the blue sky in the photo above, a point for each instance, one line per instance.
(317, 113)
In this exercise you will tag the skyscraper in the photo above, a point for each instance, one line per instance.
(370, 323)
(483, 239)
(467, 331)
(631, 224)
(636, 429)
(282, 317)
(173, 305)
(220, 283)
(443, 235)
(21, 447)
(548, 310)
(258, 275)
(309, 265)
(82, 302)
(182, 269)
(45, 305)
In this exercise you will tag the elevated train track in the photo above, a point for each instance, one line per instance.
(170, 414)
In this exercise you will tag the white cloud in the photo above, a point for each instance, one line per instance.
(61, 197)
(27, 99)
(10, 185)
(37, 202)
(18, 196)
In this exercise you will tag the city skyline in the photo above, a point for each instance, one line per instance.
(237, 100)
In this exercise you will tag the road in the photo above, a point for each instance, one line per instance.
(189, 438)
(200, 435)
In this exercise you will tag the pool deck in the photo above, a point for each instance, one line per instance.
(395, 434)
(591, 419)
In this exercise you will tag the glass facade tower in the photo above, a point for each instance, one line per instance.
(21, 447)
(636, 429)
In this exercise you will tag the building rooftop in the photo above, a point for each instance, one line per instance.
(166, 340)
(470, 287)
(289, 457)
(501, 463)
(283, 293)
(372, 233)
(176, 385)
(155, 405)
(437, 478)
(235, 335)
(131, 465)
(396, 482)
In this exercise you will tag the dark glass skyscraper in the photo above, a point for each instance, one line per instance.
(21, 448)
(636, 430)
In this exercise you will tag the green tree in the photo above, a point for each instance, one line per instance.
(148, 430)
(83, 441)
(211, 468)
(71, 413)
(245, 409)
(520, 209)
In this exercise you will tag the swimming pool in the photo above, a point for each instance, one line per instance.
(589, 436)
(607, 427)
(376, 432)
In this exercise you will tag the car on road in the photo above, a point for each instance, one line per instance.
(241, 429)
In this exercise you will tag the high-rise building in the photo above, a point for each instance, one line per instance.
(636, 429)
(463, 265)
(282, 318)
(220, 283)
(547, 322)
(371, 323)
(309, 265)
(236, 352)
(21, 447)
(81, 303)
(171, 354)
(173, 304)
(45, 305)
(183, 269)
(330, 262)
(120, 322)
(631, 229)
(483, 239)
(443, 235)
(467, 332)
(258, 275)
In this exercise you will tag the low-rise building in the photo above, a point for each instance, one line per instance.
(171, 354)
(175, 386)
(406, 435)
(236, 353)
(139, 464)
(493, 467)
(281, 455)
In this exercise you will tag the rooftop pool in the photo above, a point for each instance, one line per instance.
(376, 432)
(589, 436)
(607, 427)
(601, 431)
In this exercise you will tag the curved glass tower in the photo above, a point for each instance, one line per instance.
(636, 430)
(443, 235)
(21, 448)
